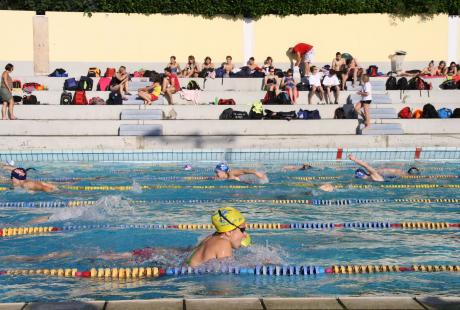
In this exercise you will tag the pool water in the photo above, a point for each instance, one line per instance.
(174, 197)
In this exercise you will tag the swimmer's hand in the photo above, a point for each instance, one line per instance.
(351, 157)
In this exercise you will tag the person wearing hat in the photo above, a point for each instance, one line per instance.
(379, 175)
(19, 179)
(230, 235)
(224, 172)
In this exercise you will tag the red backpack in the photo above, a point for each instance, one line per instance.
(405, 113)
(103, 83)
(109, 72)
(226, 102)
(79, 97)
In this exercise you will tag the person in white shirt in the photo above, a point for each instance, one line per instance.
(366, 99)
(331, 82)
(315, 84)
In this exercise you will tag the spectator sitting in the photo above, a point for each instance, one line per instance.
(170, 86)
(340, 67)
(315, 84)
(6, 89)
(271, 81)
(354, 71)
(253, 66)
(150, 93)
(228, 66)
(192, 68)
(452, 70)
(290, 86)
(303, 55)
(268, 63)
(430, 70)
(331, 82)
(441, 70)
(119, 82)
(173, 65)
(208, 67)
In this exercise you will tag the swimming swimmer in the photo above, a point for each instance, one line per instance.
(379, 175)
(224, 172)
(298, 168)
(19, 179)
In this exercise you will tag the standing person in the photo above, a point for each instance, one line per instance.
(171, 85)
(173, 65)
(303, 54)
(119, 83)
(6, 93)
(366, 99)
(315, 84)
(331, 82)
(340, 67)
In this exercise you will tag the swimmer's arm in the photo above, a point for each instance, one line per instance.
(39, 220)
(373, 172)
(6, 167)
(392, 171)
(239, 172)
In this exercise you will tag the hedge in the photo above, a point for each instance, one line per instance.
(238, 8)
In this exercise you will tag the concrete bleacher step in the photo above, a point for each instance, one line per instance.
(383, 129)
(153, 114)
(141, 130)
(377, 84)
(382, 113)
(376, 99)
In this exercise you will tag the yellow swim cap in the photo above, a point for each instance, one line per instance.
(226, 219)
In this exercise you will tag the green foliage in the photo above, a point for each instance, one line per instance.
(241, 8)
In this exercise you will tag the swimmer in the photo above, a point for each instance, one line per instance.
(379, 175)
(224, 172)
(19, 179)
(35, 258)
(298, 168)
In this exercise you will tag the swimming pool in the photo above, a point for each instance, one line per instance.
(132, 196)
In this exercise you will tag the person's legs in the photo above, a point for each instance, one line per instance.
(11, 109)
(328, 93)
(358, 107)
(311, 93)
(168, 94)
(144, 95)
(115, 88)
(336, 94)
(367, 115)
(4, 109)
(321, 93)
(355, 76)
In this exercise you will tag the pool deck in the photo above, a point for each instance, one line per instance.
(380, 302)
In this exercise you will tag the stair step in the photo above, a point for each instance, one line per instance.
(383, 129)
(140, 130)
(141, 114)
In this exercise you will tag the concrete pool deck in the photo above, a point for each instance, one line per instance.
(374, 302)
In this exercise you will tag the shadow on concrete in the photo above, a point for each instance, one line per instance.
(66, 305)
(435, 302)
(199, 141)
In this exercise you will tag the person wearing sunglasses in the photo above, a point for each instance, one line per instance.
(230, 235)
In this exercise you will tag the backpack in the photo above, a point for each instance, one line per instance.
(17, 99)
(96, 101)
(219, 72)
(339, 113)
(391, 84)
(17, 84)
(79, 98)
(103, 84)
(270, 98)
(226, 102)
(372, 70)
(66, 98)
(85, 83)
(193, 85)
(240, 115)
(257, 74)
(448, 84)
(445, 113)
(114, 98)
(257, 111)
(429, 111)
(280, 115)
(405, 113)
(70, 84)
(456, 113)
(279, 73)
(303, 86)
(283, 98)
(417, 83)
(305, 114)
(94, 72)
(58, 73)
(226, 114)
(109, 72)
(245, 72)
(417, 114)
(402, 84)
(30, 99)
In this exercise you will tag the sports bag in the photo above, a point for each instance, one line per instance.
(79, 98)
(280, 115)
(30, 99)
(109, 72)
(31, 86)
(114, 98)
(70, 84)
(372, 70)
(240, 115)
(448, 84)
(193, 85)
(306, 114)
(456, 113)
(226, 114)
(58, 73)
(103, 84)
(226, 102)
(391, 83)
(402, 84)
(283, 98)
(17, 84)
(429, 111)
(66, 98)
(417, 114)
(94, 72)
(339, 113)
(257, 111)
(270, 98)
(405, 113)
(96, 101)
(445, 113)
(85, 83)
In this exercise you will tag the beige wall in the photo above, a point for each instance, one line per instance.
(369, 37)
(140, 38)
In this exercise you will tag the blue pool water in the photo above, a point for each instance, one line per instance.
(88, 248)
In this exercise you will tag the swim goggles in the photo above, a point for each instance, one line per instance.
(242, 229)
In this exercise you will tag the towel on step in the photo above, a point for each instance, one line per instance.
(190, 95)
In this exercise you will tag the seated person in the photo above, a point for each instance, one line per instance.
(228, 66)
(331, 82)
(315, 84)
(430, 70)
(290, 86)
(224, 172)
(268, 63)
(19, 179)
(253, 66)
(119, 83)
(354, 71)
(173, 65)
(441, 70)
(208, 67)
(150, 93)
(379, 175)
(170, 85)
(192, 69)
(271, 81)
(452, 69)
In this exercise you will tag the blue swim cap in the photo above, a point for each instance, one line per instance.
(360, 173)
(222, 167)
